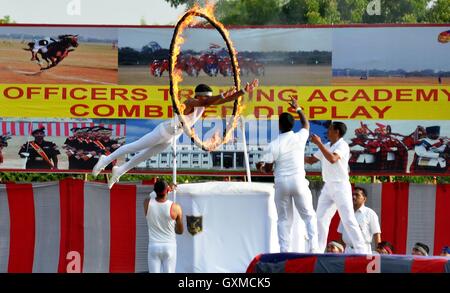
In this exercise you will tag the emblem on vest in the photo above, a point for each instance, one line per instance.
(194, 224)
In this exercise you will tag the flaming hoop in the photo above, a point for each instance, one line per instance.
(176, 76)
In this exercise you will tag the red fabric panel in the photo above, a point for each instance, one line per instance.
(49, 129)
(66, 129)
(356, 264)
(21, 128)
(442, 218)
(22, 228)
(333, 233)
(13, 128)
(72, 221)
(58, 129)
(301, 265)
(394, 214)
(252, 265)
(427, 265)
(123, 229)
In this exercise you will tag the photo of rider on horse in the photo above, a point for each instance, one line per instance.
(51, 50)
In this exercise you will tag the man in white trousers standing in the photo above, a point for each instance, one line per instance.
(164, 220)
(337, 191)
(286, 154)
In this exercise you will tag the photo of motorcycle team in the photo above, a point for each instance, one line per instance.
(144, 57)
(381, 147)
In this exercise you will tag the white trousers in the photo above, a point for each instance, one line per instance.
(162, 257)
(338, 195)
(147, 146)
(350, 250)
(294, 188)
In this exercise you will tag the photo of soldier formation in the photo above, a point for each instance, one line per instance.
(83, 148)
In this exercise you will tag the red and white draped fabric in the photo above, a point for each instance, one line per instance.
(41, 223)
(409, 213)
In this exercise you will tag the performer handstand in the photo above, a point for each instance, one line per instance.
(161, 137)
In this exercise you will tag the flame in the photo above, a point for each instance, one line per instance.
(189, 18)
(214, 142)
(177, 73)
(209, 11)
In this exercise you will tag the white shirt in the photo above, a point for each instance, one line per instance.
(161, 226)
(337, 172)
(287, 151)
(173, 126)
(368, 223)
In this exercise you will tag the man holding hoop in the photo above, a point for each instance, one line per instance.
(160, 138)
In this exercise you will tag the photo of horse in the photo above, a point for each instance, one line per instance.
(58, 55)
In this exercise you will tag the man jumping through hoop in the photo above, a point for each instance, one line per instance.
(160, 138)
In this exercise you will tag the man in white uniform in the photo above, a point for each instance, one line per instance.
(287, 153)
(337, 191)
(161, 137)
(164, 220)
(367, 220)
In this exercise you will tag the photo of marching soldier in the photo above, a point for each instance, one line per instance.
(87, 144)
(39, 154)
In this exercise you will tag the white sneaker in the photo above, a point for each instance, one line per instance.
(115, 176)
(99, 166)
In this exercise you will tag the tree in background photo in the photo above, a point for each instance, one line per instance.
(270, 12)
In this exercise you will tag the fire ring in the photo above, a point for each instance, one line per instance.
(175, 45)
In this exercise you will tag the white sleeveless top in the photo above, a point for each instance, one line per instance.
(191, 119)
(161, 226)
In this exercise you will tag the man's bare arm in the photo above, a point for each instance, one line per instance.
(179, 219)
(232, 94)
(377, 238)
(331, 157)
(146, 205)
(311, 160)
(299, 110)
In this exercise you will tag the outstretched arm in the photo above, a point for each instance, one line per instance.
(303, 119)
(225, 97)
(232, 94)
(331, 157)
